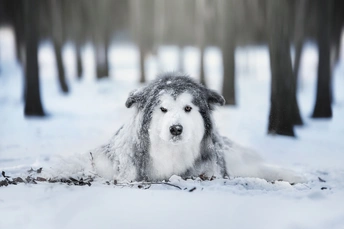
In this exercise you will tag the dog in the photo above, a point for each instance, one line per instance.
(172, 132)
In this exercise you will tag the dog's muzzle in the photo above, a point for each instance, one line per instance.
(176, 130)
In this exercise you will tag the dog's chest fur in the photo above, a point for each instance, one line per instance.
(168, 159)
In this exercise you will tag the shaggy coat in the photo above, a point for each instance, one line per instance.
(133, 154)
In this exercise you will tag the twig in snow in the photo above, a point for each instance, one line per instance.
(321, 180)
(4, 175)
(193, 189)
(166, 184)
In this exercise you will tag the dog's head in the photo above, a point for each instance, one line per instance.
(175, 109)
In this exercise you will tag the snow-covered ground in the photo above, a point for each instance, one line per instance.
(93, 111)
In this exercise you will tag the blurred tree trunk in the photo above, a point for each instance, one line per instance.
(298, 53)
(101, 50)
(282, 78)
(299, 33)
(73, 30)
(181, 66)
(201, 12)
(33, 105)
(101, 36)
(201, 67)
(323, 107)
(142, 64)
(58, 39)
(228, 52)
(143, 25)
(19, 32)
(78, 59)
(299, 26)
(139, 25)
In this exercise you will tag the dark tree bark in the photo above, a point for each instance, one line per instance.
(142, 25)
(101, 35)
(323, 107)
(58, 40)
(282, 93)
(201, 12)
(102, 64)
(181, 59)
(142, 65)
(19, 32)
(60, 69)
(299, 21)
(33, 105)
(228, 58)
(296, 117)
(78, 60)
(201, 67)
(298, 53)
(299, 28)
(74, 30)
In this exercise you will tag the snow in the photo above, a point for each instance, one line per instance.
(93, 111)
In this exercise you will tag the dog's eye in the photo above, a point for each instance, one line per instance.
(188, 109)
(163, 109)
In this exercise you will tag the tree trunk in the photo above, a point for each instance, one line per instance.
(297, 120)
(58, 39)
(78, 60)
(60, 69)
(201, 36)
(142, 65)
(323, 107)
(281, 110)
(299, 28)
(102, 59)
(201, 67)
(181, 59)
(19, 33)
(298, 53)
(33, 105)
(101, 35)
(74, 30)
(228, 85)
(228, 55)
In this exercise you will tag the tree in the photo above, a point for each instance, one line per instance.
(228, 52)
(58, 39)
(142, 22)
(73, 13)
(282, 77)
(101, 36)
(33, 104)
(323, 107)
(201, 9)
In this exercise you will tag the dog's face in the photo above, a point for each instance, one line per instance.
(177, 120)
(175, 109)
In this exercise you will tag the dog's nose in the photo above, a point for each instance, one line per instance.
(176, 130)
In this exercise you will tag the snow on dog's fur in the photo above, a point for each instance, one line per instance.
(172, 133)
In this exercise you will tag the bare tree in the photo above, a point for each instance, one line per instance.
(201, 12)
(101, 35)
(142, 21)
(323, 107)
(281, 110)
(58, 40)
(33, 105)
(228, 52)
(73, 30)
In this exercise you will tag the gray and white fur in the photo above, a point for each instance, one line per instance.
(159, 142)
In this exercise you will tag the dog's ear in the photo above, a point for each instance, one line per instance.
(134, 97)
(214, 98)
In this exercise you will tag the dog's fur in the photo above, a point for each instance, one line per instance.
(145, 148)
